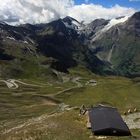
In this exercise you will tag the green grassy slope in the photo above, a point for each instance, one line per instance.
(34, 111)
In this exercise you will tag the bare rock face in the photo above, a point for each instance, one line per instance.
(133, 24)
(103, 46)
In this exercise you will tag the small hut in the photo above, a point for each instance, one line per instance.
(107, 121)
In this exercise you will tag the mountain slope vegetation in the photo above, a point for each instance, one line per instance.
(100, 46)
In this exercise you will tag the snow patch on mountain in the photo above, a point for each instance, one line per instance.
(76, 23)
(11, 38)
(112, 23)
(71, 23)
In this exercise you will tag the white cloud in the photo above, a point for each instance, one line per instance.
(88, 12)
(34, 11)
(41, 11)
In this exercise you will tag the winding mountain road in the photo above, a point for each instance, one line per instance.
(14, 84)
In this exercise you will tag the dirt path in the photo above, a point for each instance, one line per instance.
(76, 81)
(9, 84)
(29, 122)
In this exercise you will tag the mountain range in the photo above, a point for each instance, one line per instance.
(107, 47)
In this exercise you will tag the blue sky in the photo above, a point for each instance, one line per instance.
(108, 3)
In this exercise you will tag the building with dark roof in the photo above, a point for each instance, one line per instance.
(107, 121)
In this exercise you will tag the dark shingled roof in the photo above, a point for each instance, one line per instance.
(107, 121)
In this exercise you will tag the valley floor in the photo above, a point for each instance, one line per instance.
(38, 109)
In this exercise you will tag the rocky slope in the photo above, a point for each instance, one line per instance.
(103, 46)
(120, 46)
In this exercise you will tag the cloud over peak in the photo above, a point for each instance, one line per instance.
(44, 11)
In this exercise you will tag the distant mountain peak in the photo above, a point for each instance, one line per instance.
(133, 23)
(70, 19)
(136, 15)
(104, 46)
(99, 22)
(71, 23)
(2, 22)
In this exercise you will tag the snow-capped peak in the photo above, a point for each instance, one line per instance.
(71, 23)
(115, 21)
(111, 23)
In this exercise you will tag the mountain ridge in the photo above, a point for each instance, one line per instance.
(99, 45)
